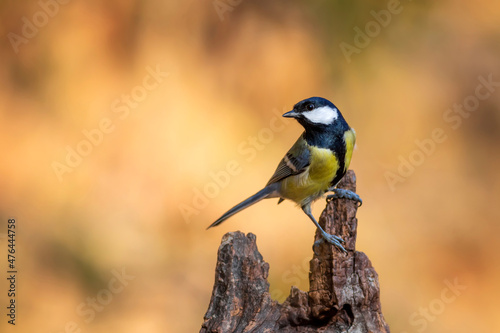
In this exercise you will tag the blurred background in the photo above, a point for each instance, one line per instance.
(128, 127)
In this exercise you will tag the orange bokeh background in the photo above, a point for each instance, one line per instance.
(225, 70)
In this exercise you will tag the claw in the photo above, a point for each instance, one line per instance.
(339, 193)
(332, 239)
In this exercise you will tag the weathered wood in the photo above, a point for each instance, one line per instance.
(344, 293)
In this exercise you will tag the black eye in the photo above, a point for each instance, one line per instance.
(309, 106)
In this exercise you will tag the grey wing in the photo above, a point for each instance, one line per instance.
(295, 162)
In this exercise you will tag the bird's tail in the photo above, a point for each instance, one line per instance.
(262, 194)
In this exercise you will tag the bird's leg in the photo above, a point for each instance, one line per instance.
(339, 193)
(332, 239)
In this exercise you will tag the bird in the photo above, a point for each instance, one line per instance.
(314, 164)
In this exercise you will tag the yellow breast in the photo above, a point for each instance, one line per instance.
(315, 180)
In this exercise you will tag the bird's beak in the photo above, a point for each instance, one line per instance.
(291, 114)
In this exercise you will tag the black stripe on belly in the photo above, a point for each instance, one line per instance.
(339, 151)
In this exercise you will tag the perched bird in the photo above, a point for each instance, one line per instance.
(314, 165)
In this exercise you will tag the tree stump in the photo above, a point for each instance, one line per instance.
(344, 292)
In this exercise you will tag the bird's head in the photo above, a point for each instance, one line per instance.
(316, 113)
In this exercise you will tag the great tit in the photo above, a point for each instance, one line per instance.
(314, 165)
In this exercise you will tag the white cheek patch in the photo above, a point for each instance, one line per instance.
(323, 115)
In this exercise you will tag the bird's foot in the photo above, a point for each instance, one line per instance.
(339, 193)
(332, 239)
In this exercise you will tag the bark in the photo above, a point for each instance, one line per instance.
(344, 293)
